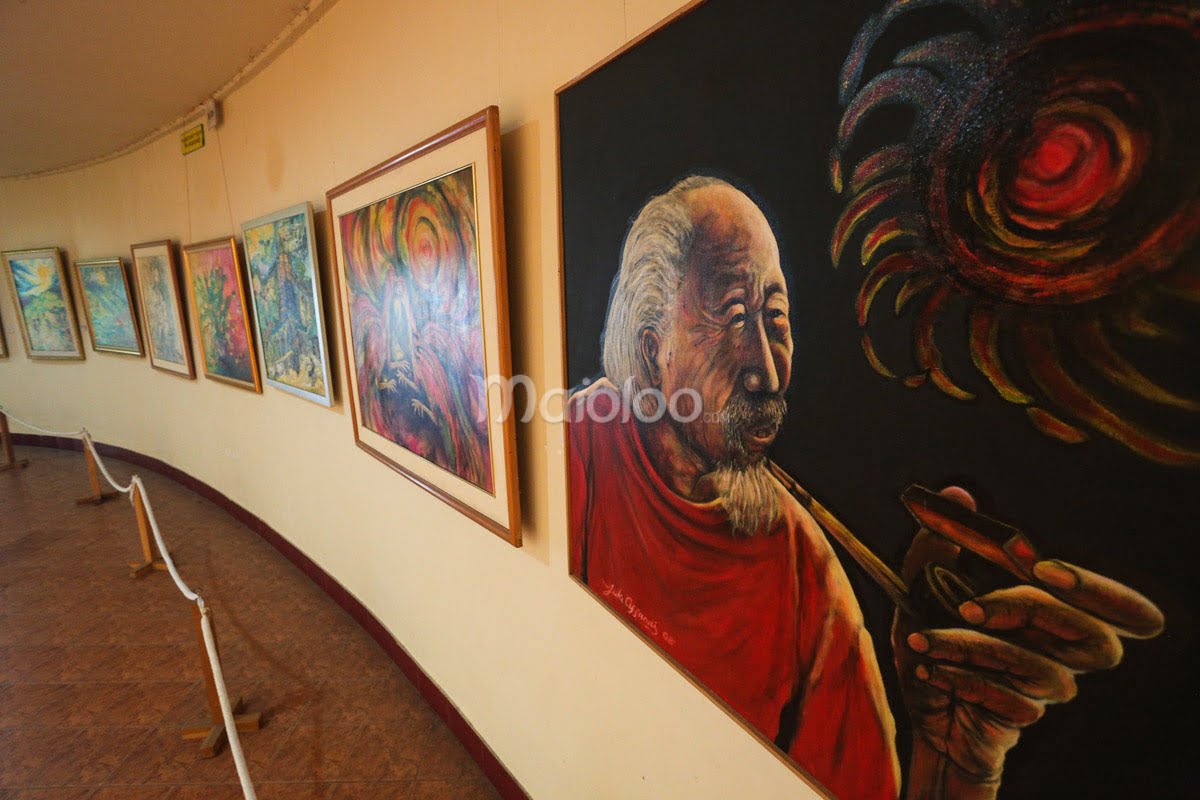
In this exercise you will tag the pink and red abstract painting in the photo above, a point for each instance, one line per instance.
(218, 297)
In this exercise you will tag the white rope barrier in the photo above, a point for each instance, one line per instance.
(87, 440)
(210, 643)
(15, 418)
(184, 589)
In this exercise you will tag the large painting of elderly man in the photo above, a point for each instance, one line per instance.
(884, 423)
(679, 524)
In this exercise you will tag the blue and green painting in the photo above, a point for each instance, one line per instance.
(43, 301)
(110, 308)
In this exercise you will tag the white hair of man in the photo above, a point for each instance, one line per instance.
(652, 264)
(651, 270)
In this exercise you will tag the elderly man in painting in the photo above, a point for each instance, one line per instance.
(679, 524)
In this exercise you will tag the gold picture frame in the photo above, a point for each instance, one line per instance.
(109, 303)
(41, 292)
(166, 337)
(216, 287)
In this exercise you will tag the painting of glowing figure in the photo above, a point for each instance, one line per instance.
(412, 272)
(162, 308)
(166, 333)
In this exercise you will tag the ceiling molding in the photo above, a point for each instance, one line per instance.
(309, 13)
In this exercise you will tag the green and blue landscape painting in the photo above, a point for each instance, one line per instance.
(43, 301)
(110, 308)
(285, 290)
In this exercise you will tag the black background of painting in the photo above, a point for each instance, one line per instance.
(747, 91)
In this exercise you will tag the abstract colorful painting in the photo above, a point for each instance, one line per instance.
(412, 270)
(43, 298)
(419, 248)
(108, 303)
(286, 291)
(162, 308)
(215, 286)
(925, 275)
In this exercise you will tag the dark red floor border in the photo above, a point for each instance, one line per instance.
(500, 777)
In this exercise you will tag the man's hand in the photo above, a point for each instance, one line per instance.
(970, 690)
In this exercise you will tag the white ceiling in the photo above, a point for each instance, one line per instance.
(82, 79)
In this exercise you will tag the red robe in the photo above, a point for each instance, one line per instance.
(768, 622)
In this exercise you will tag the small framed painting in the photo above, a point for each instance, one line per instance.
(157, 276)
(215, 286)
(108, 305)
(42, 295)
(419, 246)
(285, 290)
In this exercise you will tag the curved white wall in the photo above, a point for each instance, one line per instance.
(569, 699)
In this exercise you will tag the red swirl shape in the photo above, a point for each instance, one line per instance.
(1057, 181)
(1064, 170)
(1049, 183)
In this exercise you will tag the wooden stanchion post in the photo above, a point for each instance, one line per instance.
(213, 731)
(151, 559)
(97, 496)
(10, 461)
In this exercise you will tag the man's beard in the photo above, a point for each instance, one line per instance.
(743, 481)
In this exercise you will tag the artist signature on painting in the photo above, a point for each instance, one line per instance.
(617, 597)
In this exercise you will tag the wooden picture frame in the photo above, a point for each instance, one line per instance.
(220, 313)
(285, 293)
(44, 282)
(156, 277)
(96, 276)
(421, 370)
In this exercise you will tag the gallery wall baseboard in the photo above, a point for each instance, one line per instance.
(495, 771)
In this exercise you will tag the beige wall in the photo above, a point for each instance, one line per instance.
(571, 701)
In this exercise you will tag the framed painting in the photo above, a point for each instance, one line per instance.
(216, 289)
(42, 295)
(285, 290)
(419, 245)
(870, 348)
(108, 305)
(157, 277)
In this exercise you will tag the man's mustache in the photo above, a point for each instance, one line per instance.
(745, 414)
(743, 411)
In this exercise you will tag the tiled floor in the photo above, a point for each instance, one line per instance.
(98, 671)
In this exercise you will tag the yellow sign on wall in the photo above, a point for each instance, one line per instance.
(192, 139)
